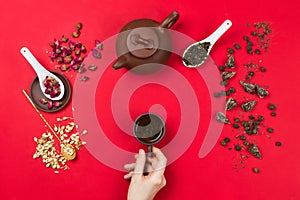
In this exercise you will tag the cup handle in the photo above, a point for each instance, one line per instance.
(170, 20)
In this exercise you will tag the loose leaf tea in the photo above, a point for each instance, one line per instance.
(249, 87)
(254, 151)
(261, 92)
(221, 117)
(196, 54)
(230, 63)
(228, 75)
(248, 105)
(231, 103)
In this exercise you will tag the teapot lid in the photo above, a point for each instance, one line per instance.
(142, 42)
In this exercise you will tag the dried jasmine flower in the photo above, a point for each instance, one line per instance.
(249, 87)
(261, 92)
(230, 63)
(231, 103)
(220, 117)
(248, 105)
(228, 75)
(254, 151)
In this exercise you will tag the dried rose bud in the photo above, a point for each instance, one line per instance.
(57, 103)
(80, 59)
(64, 39)
(68, 59)
(56, 42)
(52, 44)
(75, 67)
(59, 60)
(64, 67)
(47, 90)
(98, 45)
(82, 49)
(77, 52)
(96, 53)
(50, 104)
(43, 100)
(71, 45)
(78, 26)
(78, 45)
(56, 85)
(76, 34)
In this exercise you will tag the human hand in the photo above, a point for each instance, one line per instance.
(146, 187)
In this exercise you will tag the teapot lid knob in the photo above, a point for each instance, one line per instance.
(142, 42)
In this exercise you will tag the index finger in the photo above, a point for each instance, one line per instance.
(140, 163)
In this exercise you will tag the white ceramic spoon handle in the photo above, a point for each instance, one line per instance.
(38, 68)
(219, 32)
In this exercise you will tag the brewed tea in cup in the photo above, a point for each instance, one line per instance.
(149, 129)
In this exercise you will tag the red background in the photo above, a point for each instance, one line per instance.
(34, 24)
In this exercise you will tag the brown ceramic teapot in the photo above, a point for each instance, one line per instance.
(144, 41)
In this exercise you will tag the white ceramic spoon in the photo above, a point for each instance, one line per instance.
(212, 39)
(42, 73)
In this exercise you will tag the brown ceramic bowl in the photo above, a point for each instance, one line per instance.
(36, 94)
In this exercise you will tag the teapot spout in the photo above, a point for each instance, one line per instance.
(121, 62)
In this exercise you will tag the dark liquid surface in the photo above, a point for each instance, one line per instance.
(149, 129)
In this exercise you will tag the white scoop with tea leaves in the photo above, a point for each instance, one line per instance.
(197, 53)
(42, 73)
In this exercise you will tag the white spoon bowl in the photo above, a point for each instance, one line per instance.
(42, 73)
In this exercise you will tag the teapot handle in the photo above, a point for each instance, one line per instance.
(170, 20)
